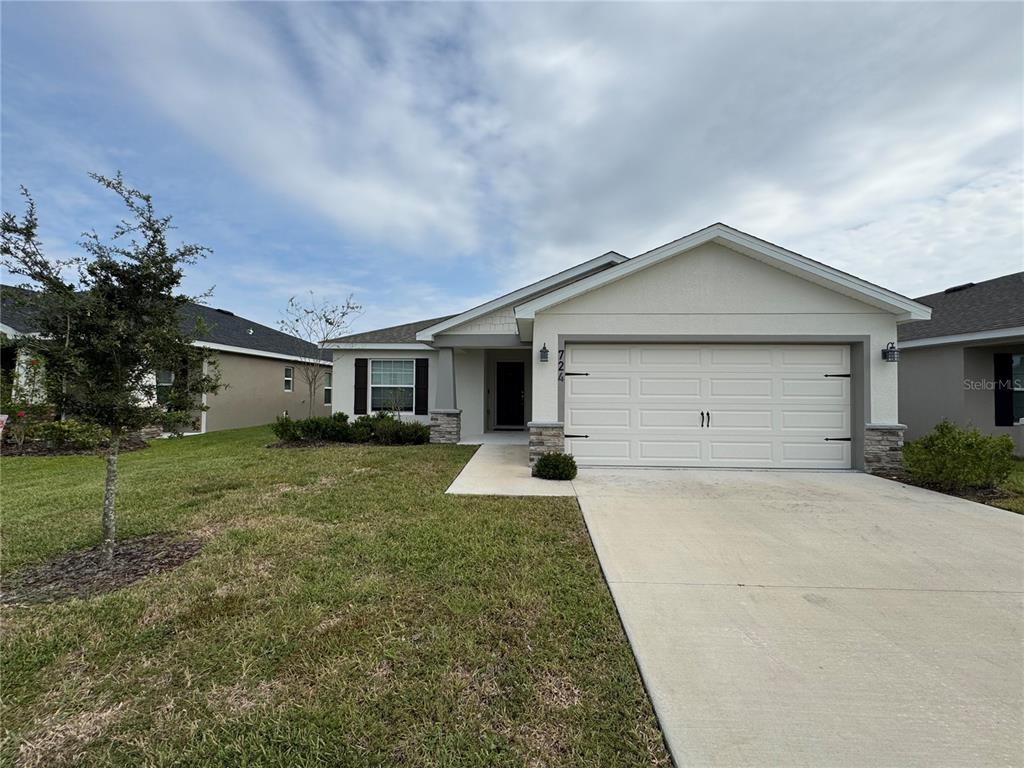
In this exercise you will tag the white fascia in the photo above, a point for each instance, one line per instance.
(904, 308)
(998, 334)
(610, 258)
(370, 345)
(254, 352)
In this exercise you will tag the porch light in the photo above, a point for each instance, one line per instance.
(544, 353)
(890, 354)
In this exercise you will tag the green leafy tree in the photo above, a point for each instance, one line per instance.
(109, 319)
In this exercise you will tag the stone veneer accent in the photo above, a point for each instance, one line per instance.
(546, 437)
(446, 425)
(883, 448)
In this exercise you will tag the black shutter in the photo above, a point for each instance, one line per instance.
(360, 387)
(1002, 365)
(421, 386)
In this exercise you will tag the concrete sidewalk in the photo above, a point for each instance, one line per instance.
(504, 470)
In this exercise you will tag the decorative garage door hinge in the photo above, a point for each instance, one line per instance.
(837, 375)
(577, 437)
(567, 373)
(838, 439)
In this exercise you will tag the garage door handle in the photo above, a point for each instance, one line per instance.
(702, 419)
(838, 439)
(837, 375)
(576, 374)
(577, 437)
(709, 418)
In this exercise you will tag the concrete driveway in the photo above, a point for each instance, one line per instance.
(816, 618)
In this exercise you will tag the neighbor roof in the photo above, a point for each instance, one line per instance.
(393, 334)
(222, 327)
(971, 308)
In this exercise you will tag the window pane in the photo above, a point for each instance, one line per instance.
(391, 399)
(164, 378)
(392, 372)
(327, 379)
(1018, 407)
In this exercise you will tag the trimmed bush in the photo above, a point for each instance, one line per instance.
(384, 429)
(69, 433)
(555, 466)
(379, 428)
(951, 458)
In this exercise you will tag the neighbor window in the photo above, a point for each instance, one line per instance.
(392, 385)
(289, 378)
(327, 389)
(164, 381)
(1018, 389)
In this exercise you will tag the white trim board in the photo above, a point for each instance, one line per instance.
(372, 345)
(607, 259)
(964, 338)
(801, 266)
(255, 352)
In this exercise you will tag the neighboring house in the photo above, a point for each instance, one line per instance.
(717, 349)
(260, 368)
(966, 364)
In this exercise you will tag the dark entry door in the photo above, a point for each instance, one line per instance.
(510, 394)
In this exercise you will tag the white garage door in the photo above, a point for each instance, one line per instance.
(731, 405)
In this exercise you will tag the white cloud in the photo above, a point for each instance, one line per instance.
(885, 139)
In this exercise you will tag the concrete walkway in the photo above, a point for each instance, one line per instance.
(816, 618)
(503, 470)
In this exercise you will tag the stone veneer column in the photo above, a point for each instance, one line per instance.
(546, 437)
(883, 448)
(445, 425)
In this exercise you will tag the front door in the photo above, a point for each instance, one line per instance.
(510, 393)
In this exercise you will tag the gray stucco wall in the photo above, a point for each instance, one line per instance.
(253, 393)
(932, 388)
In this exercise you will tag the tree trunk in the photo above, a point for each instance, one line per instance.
(312, 394)
(109, 497)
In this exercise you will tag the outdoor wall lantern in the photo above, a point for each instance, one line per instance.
(544, 353)
(890, 354)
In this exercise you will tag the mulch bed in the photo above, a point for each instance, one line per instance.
(40, 448)
(82, 573)
(980, 495)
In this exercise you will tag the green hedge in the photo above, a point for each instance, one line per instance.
(379, 428)
(68, 434)
(955, 459)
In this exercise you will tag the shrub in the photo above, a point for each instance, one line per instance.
(954, 459)
(79, 435)
(384, 429)
(286, 430)
(555, 466)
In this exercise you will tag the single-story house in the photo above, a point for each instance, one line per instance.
(260, 367)
(715, 350)
(966, 364)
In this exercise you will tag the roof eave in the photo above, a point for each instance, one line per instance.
(610, 259)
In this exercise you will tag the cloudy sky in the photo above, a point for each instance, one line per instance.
(428, 157)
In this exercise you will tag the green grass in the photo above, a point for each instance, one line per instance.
(343, 612)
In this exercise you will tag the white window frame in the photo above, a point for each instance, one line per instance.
(289, 378)
(1016, 385)
(370, 385)
(328, 388)
(157, 385)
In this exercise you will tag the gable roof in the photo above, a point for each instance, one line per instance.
(774, 255)
(393, 334)
(991, 305)
(225, 330)
(580, 271)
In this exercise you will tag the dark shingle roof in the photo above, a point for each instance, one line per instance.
(222, 327)
(395, 334)
(971, 308)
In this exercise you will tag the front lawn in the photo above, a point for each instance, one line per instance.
(343, 611)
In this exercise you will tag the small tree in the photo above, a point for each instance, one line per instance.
(313, 322)
(110, 319)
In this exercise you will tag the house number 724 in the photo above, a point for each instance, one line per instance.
(561, 365)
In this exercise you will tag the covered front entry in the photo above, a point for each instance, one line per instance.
(727, 405)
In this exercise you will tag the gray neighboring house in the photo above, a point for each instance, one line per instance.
(260, 367)
(966, 364)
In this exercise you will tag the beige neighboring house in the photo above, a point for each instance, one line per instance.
(260, 367)
(966, 364)
(718, 349)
